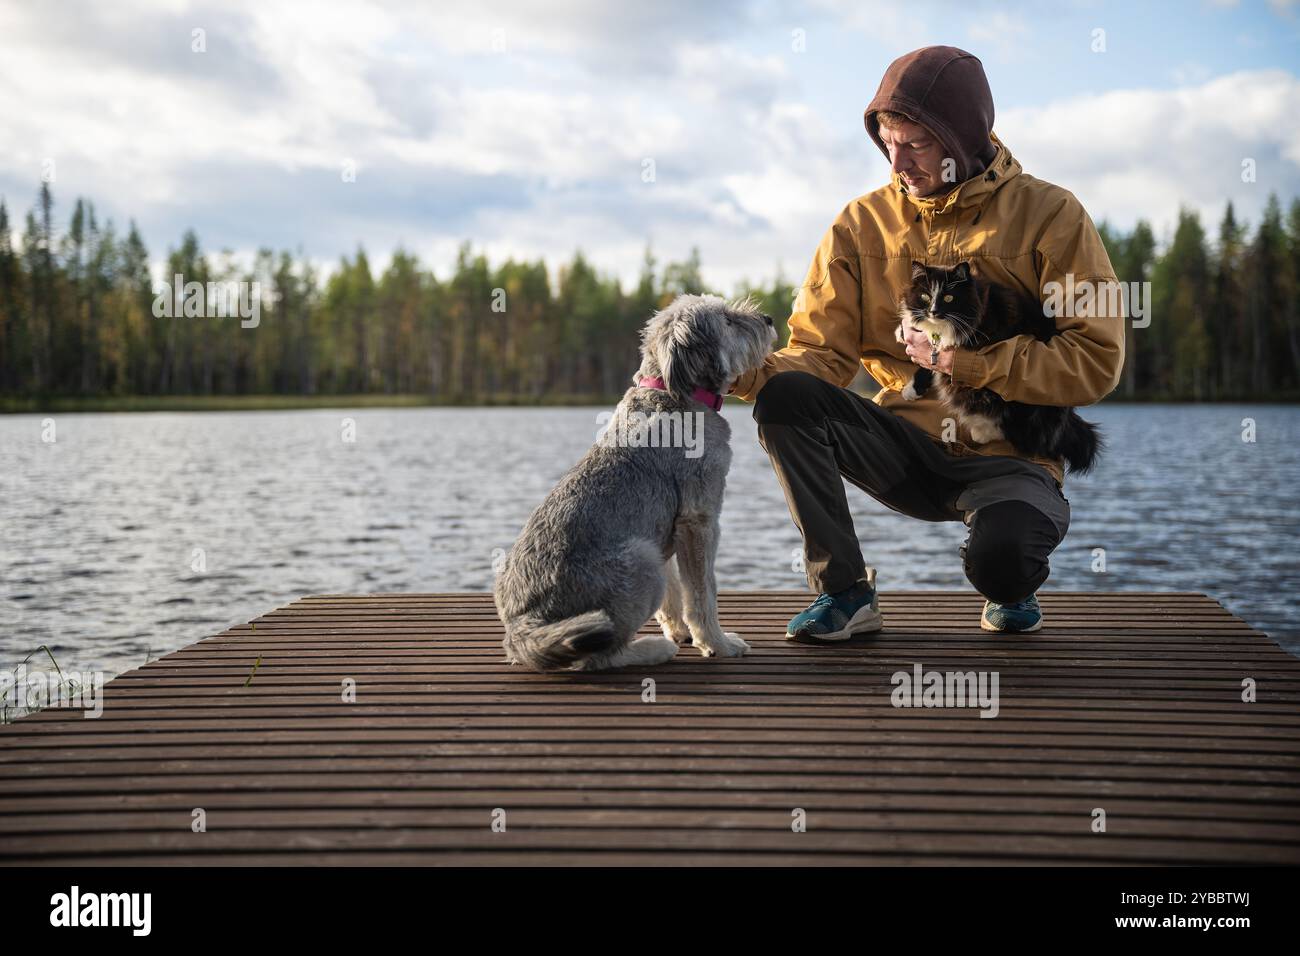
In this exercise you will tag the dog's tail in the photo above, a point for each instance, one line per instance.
(560, 645)
(1081, 443)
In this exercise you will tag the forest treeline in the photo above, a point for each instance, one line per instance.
(77, 318)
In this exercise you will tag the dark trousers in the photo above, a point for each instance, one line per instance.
(816, 434)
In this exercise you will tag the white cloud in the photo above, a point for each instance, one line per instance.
(538, 150)
(895, 26)
(1005, 33)
(1141, 153)
(534, 151)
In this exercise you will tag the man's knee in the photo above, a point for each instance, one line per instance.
(790, 398)
(1005, 557)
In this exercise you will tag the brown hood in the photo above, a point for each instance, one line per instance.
(945, 90)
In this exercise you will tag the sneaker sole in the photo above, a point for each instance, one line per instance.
(867, 621)
(987, 625)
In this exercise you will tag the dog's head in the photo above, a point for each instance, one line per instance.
(944, 303)
(703, 341)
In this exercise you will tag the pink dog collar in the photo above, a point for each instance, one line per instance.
(701, 394)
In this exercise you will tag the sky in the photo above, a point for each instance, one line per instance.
(531, 129)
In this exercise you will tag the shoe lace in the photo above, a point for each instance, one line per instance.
(1026, 604)
(823, 600)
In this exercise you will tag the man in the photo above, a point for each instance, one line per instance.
(956, 194)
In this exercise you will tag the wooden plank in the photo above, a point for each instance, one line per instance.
(1126, 701)
(901, 845)
(598, 799)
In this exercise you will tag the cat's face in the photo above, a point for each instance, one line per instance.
(942, 303)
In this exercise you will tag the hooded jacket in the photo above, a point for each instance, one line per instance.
(945, 90)
(1017, 231)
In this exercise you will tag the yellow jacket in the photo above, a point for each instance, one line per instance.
(1023, 232)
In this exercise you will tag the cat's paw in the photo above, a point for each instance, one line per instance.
(984, 432)
(910, 393)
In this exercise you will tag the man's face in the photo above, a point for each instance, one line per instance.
(917, 156)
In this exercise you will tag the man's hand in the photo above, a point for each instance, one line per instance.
(920, 351)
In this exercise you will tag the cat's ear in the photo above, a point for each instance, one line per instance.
(962, 271)
(918, 270)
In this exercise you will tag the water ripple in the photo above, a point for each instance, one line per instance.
(139, 534)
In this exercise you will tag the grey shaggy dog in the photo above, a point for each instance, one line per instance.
(632, 529)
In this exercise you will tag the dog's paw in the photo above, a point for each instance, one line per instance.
(655, 650)
(681, 637)
(674, 628)
(730, 645)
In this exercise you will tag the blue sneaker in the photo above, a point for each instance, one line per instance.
(838, 616)
(1017, 618)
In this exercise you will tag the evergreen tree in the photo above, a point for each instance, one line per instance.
(12, 346)
(76, 317)
(1266, 305)
(1227, 373)
(1134, 268)
(1180, 285)
(1291, 294)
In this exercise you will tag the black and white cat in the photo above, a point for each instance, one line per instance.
(955, 308)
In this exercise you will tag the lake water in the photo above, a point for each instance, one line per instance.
(132, 535)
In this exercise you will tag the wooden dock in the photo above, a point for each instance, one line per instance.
(1125, 702)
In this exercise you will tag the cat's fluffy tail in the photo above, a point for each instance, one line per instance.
(1081, 444)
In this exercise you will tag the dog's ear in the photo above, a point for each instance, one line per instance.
(653, 334)
(689, 353)
(675, 349)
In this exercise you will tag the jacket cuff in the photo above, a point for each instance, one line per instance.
(968, 368)
(743, 385)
